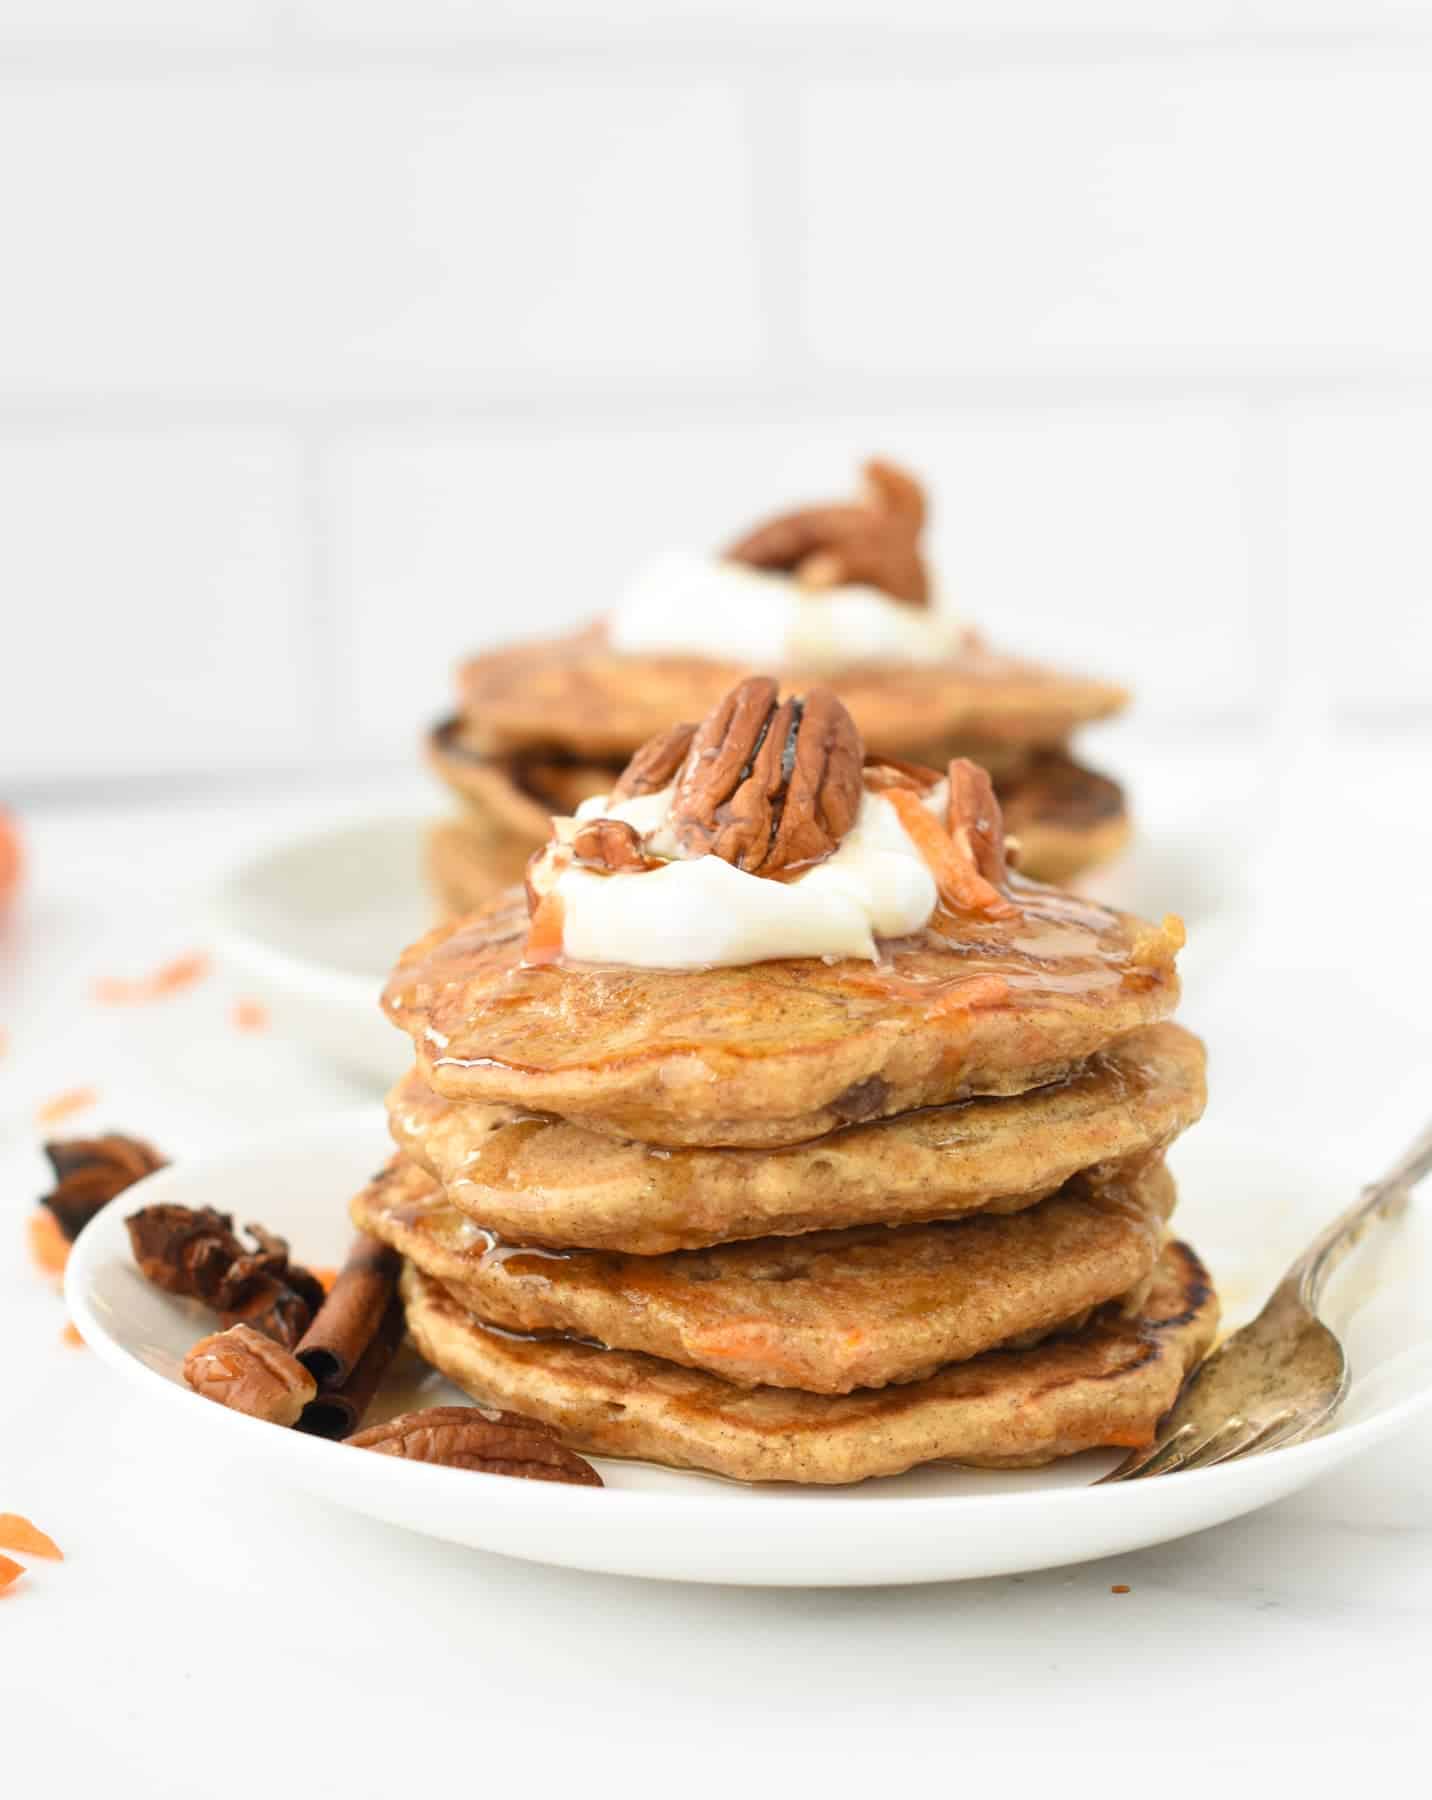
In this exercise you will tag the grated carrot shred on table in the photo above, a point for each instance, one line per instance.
(169, 978)
(60, 1106)
(47, 1242)
(10, 1571)
(17, 1533)
(71, 1335)
(250, 1015)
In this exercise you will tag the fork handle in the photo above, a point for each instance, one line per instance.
(1381, 1200)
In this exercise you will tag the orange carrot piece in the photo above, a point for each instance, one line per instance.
(169, 978)
(961, 885)
(59, 1107)
(249, 1015)
(19, 1534)
(47, 1242)
(9, 1572)
(71, 1335)
(544, 936)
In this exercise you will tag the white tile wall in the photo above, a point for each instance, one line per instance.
(446, 21)
(1119, 218)
(339, 335)
(1360, 540)
(153, 587)
(84, 25)
(297, 234)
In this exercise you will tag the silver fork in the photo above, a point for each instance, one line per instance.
(1282, 1377)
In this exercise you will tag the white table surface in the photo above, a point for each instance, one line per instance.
(208, 1638)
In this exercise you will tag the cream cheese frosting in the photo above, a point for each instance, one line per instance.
(688, 605)
(702, 912)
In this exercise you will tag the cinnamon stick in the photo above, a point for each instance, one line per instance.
(339, 1412)
(348, 1320)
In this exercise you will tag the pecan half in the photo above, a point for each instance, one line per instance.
(873, 541)
(471, 1437)
(613, 845)
(769, 784)
(89, 1172)
(654, 766)
(975, 819)
(243, 1369)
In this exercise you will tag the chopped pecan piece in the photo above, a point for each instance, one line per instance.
(89, 1172)
(975, 817)
(243, 1369)
(654, 766)
(873, 541)
(769, 784)
(613, 845)
(952, 851)
(471, 1437)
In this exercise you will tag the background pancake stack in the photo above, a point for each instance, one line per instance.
(543, 726)
(990, 1282)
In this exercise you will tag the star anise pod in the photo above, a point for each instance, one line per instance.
(89, 1172)
(195, 1253)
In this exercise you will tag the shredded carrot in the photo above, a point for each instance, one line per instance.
(1119, 1587)
(544, 938)
(950, 860)
(19, 1534)
(169, 978)
(59, 1107)
(325, 1278)
(48, 1244)
(71, 1335)
(249, 1015)
(9, 1572)
(965, 996)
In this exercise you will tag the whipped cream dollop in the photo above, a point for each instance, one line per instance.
(701, 912)
(688, 605)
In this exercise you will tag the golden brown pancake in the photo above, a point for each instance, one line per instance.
(828, 1311)
(1067, 818)
(577, 693)
(779, 1052)
(467, 865)
(543, 1181)
(1107, 1384)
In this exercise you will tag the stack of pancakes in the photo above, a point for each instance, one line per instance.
(811, 1220)
(540, 727)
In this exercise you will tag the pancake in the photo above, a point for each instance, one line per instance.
(467, 865)
(543, 1181)
(1105, 1385)
(579, 694)
(517, 792)
(779, 1052)
(826, 1312)
(1067, 818)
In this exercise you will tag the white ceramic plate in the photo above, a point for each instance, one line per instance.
(315, 925)
(1247, 1214)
